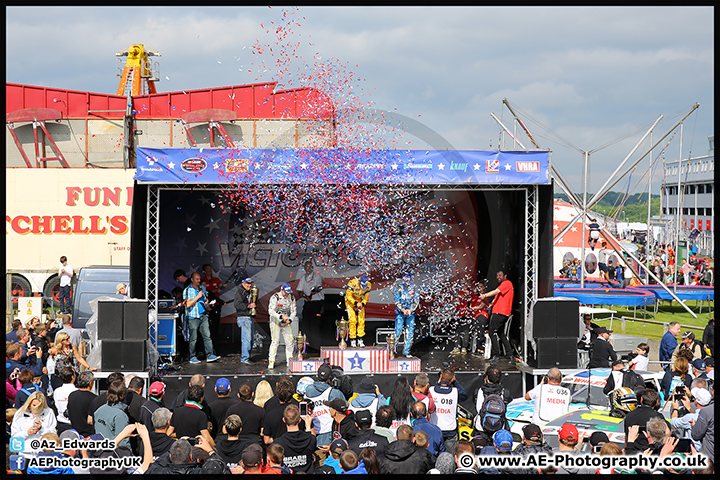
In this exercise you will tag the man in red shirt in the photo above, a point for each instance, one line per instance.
(501, 309)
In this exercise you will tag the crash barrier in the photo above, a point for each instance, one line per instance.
(625, 319)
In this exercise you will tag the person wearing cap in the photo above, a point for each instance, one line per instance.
(252, 460)
(501, 307)
(407, 300)
(283, 311)
(603, 354)
(420, 423)
(689, 343)
(710, 369)
(243, 306)
(698, 368)
(597, 441)
(298, 445)
(219, 407)
(332, 461)
(357, 295)
(681, 425)
(532, 443)
(491, 386)
(550, 398)
(123, 289)
(343, 419)
(621, 376)
(366, 436)
(569, 441)
(156, 392)
(502, 444)
(668, 343)
(368, 397)
(703, 430)
(317, 394)
(196, 298)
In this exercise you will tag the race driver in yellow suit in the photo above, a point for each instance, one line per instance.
(356, 297)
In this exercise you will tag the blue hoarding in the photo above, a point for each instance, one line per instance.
(382, 167)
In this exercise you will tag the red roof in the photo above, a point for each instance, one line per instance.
(255, 101)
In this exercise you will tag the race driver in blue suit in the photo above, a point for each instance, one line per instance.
(407, 300)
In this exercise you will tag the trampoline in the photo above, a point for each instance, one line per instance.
(628, 297)
(683, 292)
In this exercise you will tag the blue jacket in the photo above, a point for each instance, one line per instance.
(406, 296)
(436, 444)
(667, 346)
(360, 469)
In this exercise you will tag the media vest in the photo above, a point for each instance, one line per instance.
(446, 404)
(552, 401)
(322, 411)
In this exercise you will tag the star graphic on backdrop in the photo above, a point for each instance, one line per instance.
(441, 166)
(190, 220)
(212, 225)
(394, 166)
(308, 367)
(555, 226)
(357, 361)
(204, 200)
(404, 366)
(508, 166)
(201, 247)
(303, 166)
(171, 165)
(217, 166)
(573, 229)
(181, 243)
(477, 166)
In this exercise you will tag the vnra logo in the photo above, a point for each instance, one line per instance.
(193, 165)
(492, 166)
(237, 165)
(527, 166)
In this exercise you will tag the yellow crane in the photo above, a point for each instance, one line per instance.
(137, 77)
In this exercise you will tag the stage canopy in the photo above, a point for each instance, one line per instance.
(320, 166)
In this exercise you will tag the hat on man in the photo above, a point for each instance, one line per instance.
(598, 439)
(252, 455)
(532, 432)
(702, 396)
(157, 388)
(119, 287)
(569, 432)
(366, 386)
(339, 445)
(338, 404)
(618, 362)
(709, 362)
(699, 364)
(363, 417)
(70, 434)
(324, 372)
(689, 335)
(479, 441)
(502, 439)
(222, 385)
(247, 280)
(602, 330)
(286, 288)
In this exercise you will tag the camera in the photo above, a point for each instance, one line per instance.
(628, 356)
(192, 441)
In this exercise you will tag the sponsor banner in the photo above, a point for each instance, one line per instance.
(270, 166)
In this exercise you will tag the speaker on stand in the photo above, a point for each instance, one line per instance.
(556, 328)
(123, 330)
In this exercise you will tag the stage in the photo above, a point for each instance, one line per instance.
(433, 355)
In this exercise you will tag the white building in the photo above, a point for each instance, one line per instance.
(696, 180)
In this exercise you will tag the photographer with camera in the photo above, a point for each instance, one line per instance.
(683, 414)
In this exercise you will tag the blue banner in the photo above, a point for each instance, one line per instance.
(338, 166)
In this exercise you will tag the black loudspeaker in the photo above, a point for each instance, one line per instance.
(123, 355)
(135, 320)
(110, 320)
(556, 317)
(556, 352)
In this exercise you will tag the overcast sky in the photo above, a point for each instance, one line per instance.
(580, 78)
